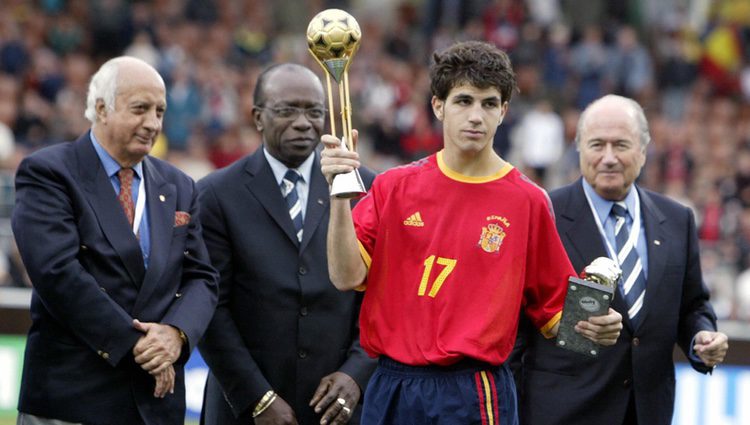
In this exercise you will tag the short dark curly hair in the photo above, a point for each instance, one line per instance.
(474, 62)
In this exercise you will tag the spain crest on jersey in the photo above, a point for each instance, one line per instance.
(492, 237)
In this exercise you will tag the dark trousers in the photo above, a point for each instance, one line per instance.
(27, 419)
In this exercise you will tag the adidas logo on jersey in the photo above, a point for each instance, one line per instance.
(414, 220)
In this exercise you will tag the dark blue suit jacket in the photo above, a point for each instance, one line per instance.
(561, 387)
(90, 283)
(280, 323)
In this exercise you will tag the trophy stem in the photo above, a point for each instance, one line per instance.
(348, 109)
(342, 103)
(331, 113)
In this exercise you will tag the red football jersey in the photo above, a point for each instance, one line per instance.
(452, 259)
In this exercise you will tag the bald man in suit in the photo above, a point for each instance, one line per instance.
(662, 297)
(283, 347)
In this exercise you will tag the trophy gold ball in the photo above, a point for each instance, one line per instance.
(333, 34)
(333, 37)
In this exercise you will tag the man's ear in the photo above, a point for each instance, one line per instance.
(437, 108)
(101, 111)
(256, 119)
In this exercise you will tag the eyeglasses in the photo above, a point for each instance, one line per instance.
(289, 112)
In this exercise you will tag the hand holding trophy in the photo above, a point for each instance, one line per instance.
(333, 37)
(590, 296)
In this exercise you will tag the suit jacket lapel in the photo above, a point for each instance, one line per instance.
(657, 254)
(317, 202)
(161, 205)
(584, 236)
(581, 229)
(261, 184)
(108, 210)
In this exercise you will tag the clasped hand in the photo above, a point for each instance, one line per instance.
(156, 351)
(336, 397)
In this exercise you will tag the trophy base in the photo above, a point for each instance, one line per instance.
(348, 185)
(583, 300)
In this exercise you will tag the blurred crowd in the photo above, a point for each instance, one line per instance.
(686, 61)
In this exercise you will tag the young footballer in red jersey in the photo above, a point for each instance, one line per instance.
(449, 249)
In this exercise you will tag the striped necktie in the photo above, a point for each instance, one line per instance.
(633, 280)
(293, 204)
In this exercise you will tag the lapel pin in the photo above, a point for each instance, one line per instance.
(657, 242)
(162, 198)
(320, 201)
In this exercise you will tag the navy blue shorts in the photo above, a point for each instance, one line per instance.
(466, 393)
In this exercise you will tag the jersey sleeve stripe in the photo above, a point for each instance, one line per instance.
(551, 324)
(365, 255)
(368, 260)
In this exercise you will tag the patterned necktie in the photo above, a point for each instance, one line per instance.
(634, 281)
(289, 190)
(126, 193)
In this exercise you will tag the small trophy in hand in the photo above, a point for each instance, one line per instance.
(589, 296)
(333, 37)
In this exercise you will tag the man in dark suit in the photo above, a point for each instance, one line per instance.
(661, 296)
(123, 287)
(283, 346)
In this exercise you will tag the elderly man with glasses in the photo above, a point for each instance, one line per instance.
(283, 347)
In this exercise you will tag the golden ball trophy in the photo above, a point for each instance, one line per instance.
(586, 297)
(333, 37)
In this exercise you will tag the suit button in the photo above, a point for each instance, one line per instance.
(626, 383)
(303, 311)
(302, 270)
(636, 342)
(302, 354)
